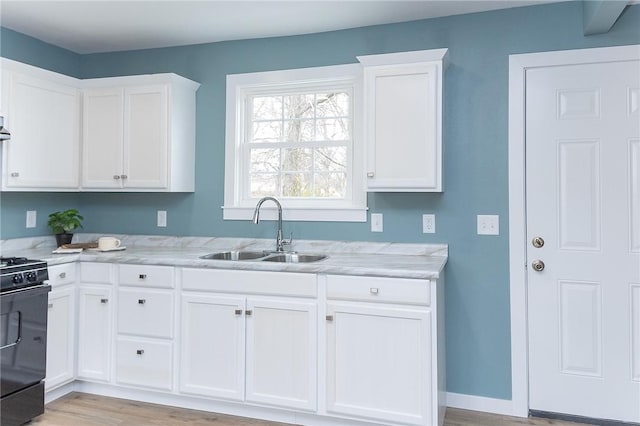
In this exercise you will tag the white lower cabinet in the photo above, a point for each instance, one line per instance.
(144, 362)
(144, 343)
(95, 320)
(258, 349)
(61, 325)
(382, 357)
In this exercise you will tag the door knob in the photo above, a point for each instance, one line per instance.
(537, 242)
(538, 265)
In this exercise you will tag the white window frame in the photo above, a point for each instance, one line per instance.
(242, 86)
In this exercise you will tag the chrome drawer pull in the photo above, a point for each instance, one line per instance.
(63, 275)
(329, 317)
(373, 290)
(248, 312)
(50, 305)
(104, 300)
(238, 311)
(116, 177)
(140, 352)
(142, 276)
(123, 176)
(142, 301)
(15, 174)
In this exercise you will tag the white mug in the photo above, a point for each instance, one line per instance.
(108, 243)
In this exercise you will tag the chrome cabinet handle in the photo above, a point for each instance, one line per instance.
(15, 174)
(62, 275)
(142, 301)
(238, 311)
(370, 174)
(373, 290)
(248, 312)
(140, 352)
(329, 317)
(50, 305)
(104, 300)
(142, 276)
(123, 176)
(116, 177)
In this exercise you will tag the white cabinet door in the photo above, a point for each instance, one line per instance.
(94, 332)
(379, 362)
(403, 116)
(102, 138)
(281, 353)
(213, 346)
(60, 337)
(43, 117)
(146, 137)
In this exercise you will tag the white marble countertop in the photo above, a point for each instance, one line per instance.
(421, 261)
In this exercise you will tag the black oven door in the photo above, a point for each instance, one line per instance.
(23, 338)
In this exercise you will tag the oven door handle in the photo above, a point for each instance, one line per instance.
(19, 334)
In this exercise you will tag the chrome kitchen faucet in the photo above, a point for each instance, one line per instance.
(280, 243)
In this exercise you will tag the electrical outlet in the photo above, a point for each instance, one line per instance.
(31, 218)
(162, 218)
(488, 224)
(376, 222)
(429, 223)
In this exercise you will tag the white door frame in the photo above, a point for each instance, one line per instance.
(518, 65)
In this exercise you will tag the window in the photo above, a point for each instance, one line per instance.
(295, 135)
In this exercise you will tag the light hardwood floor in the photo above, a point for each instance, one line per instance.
(80, 409)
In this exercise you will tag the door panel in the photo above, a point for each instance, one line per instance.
(582, 180)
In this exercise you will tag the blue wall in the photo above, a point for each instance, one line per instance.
(475, 139)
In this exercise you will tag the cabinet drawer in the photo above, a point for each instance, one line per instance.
(253, 282)
(62, 274)
(144, 363)
(145, 312)
(379, 289)
(99, 273)
(146, 275)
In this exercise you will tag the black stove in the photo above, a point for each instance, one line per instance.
(20, 272)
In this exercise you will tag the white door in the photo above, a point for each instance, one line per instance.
(146, 137)
(367, 374)
(212, 348)
(60, 337)
(94, 332)
(281, 353)
(102, 138)
(583, 200)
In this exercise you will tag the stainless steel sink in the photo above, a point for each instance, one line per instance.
(295, 258)
(235, 255)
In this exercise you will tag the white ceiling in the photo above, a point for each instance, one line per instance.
(92, 26)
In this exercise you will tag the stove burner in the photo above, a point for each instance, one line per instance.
(10, 261)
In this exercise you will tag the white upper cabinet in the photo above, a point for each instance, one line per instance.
(139, 133)
(42, 112)
(403, 120)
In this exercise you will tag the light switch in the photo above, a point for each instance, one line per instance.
(376, 222)
(31, 218)
(162, 218)
(488, 224)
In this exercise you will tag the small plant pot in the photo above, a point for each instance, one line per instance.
(63, 239)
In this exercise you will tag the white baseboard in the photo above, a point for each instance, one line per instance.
(480, 403)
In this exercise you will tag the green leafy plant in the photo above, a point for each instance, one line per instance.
(65, 222)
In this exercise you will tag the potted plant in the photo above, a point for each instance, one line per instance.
(63, 223)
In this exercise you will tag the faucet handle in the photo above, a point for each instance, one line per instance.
(289, 241)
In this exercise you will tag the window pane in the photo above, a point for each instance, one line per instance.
(297, 185)
(333, 158)
(334, 104)
(299, 106)
(333, 129)
(267, 131)
(263, 184)
(299, 130)
(297, 160)
(267, 107)
(330, 185)
(265, 160)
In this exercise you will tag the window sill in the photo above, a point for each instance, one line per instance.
(298, 214)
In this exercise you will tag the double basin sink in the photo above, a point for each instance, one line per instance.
(265, 256)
